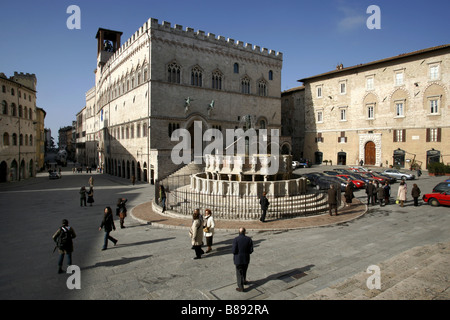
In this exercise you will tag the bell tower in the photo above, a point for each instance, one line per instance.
(108, 42)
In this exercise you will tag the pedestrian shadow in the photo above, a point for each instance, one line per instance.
(117, 262)
(140, 243)
(285, 276)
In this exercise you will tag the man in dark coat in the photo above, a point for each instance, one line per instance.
(332, 199)
(108, 225)
(370, 189)
(264, 202)
(63, 239)
(242, 248)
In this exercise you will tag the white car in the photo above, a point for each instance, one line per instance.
(399, 175)
(295, 164)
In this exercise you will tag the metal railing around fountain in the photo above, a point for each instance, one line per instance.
(180, 199)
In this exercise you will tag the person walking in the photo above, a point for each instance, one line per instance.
(108, 225)
(348, 194)
(415, 193)
(208, 229)
(63, 239)
(369, 191)
(242, 248)
(133, 179)
(401, 193)
(387, 192)
(332, 200)
(196, 234)
(91, 181)
(162, 197)
(83, 196)
(264, 202)
(121, 211)
(90, 195)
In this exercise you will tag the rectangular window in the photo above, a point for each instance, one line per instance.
(434, 106)
(343, 114)
(369, 84)
(343, 88)
(319, 116)
(434, 135)
(399, 109)
(399, 78)
(399, 135)
(342, 138)
(319, 137)
(370, 112)
(319, 92)
(434, 72)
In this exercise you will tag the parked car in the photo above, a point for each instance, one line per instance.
(375, 177)
(389, 178)
(331, 173)
(399, 175)
(54, 175)
(441, 187)
(295, 164)
(359, 169)
(362, 177)
(343, 171)
(436, 199)
(323, 182)
(359, 184)
(305, 163)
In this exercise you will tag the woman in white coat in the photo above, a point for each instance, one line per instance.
(401, 193)
(208, 229)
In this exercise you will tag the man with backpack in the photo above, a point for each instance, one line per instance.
(63, 239)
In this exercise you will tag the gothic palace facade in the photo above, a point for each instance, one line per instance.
(164, 78)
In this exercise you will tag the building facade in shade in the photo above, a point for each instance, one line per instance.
(18, 127)
(394, 111)
(40, 138)
(293, 119)
(165, 78)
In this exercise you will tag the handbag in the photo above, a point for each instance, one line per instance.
(206, 229)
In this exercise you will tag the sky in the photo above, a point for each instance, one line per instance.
(314, 36)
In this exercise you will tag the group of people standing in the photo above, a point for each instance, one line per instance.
(203, 226)
(376, 193)
(87, 195)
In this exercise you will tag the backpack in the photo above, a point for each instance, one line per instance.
(65, 238)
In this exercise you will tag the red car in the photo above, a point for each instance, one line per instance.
(436, 199)
(373, 176)
(358, 183)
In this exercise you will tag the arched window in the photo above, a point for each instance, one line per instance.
(4, 107)
(196, 76)
(270, 75)
(217, 80)
(174, 73)
(14, 139)
(20, 112)
(262, 88)
(14, 110)
(6, 139)
(31, 139)
(245, 85)
(236, 67)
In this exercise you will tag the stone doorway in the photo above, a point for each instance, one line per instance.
(369, 153)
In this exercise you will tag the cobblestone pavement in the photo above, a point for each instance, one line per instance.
(308, 258)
